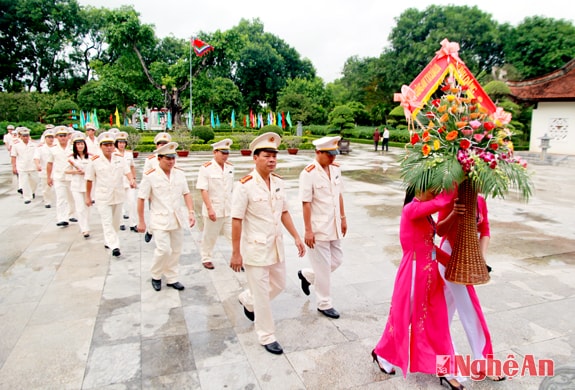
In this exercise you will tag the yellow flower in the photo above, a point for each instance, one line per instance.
(436, 144)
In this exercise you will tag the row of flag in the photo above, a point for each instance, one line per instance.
(254, 120)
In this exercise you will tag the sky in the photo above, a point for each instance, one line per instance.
(327, 32)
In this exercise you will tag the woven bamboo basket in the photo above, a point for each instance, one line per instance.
(466, 264)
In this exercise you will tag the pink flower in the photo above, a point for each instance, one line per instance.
(501, 116)
(478, 137)
(475, 124)
(467, 132)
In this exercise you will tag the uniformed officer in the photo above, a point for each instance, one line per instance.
(56, 176)
(215, 182)
(77, 165)
(320, 191)
(152, 162)
(91, 140)
(129, 210)
(259, 208)
(41, 160)
(107, 171)
(22, 154)
(164, 187)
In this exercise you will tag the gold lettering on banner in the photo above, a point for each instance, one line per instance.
(426, 79)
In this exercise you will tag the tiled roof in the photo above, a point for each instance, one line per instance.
(555, 86)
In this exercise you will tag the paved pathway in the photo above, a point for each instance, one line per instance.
(73, 317)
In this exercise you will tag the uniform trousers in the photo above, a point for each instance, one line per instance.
(110, 216)
(212, 230)
(46, 190)
(129, 207)
(265, 283)
(167, 254)
(65, 207)
(27, 181)
(457, 298)
(325, 257)
(82, 211)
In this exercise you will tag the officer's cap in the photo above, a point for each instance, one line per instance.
(268, 141)
(78, 136)
(167, 150)
(328, 144)
(223, 145)
(162, 137)
(106, 138)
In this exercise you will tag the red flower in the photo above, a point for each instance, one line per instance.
(446, 88)
(465, 143)
(425, 149)
(414, 138)
(493, 146)
(425, 136)
(430, 114)
(489, 126)
(436, 102)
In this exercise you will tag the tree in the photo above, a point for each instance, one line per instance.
(305, 100)
(341, 118)
(538, 45)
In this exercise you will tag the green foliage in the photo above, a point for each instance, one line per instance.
(273, 128)
(61, 113)
(341, 118)
(243, 140)
(205, 133)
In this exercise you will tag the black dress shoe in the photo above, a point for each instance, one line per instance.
(274, 348)
(27, 201)
(122, 227)
(331, 313)
(489, 269)
(20, 191)
(63, 223)
(106, 246)
(126, 217)
(249, 314)
(47, 206)
(147, 237)
(304, 283)
(157, 284)
(134, 229)
(178, 286)
(73, 220)
(116, 252)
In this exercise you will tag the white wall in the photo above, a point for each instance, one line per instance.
(557, 120)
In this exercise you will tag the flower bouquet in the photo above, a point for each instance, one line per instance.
(456, 141)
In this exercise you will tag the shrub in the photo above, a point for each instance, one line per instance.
(273, 128)
(204, 133)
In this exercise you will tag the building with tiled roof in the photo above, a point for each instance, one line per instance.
(553, 96)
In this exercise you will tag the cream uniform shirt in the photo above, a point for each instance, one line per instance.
(323, 193)
(167, 208)
(108, 177)
(59, 159)
(219, 183)
(24, 154)
(260, 210)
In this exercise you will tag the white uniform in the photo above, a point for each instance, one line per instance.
(168, 218)
(64, 201)
(218, 182)
(93, 146)
(42, 154)
(129, 208)
(78, 189)
(27, 173)
(109, 194)
(262, 247)
(323, 193)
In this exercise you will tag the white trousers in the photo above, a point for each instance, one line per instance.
(167, 254)
(212, 230)
(265, 283)
(457, 298)
(129, 207)
(65, 207)
(325, 257)
(28, 181)
(110, 216)
(46, 191)
(82, 211)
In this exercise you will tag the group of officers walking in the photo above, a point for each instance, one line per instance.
(81, 170)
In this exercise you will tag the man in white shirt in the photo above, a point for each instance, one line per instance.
(215, 182)
(22, 154)
(41, 160)
(56, 176)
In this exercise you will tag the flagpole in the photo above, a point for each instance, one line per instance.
(191, 111)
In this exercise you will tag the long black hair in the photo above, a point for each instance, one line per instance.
(75, 150)
(409, 195)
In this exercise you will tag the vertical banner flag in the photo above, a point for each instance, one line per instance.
(218, 121)
(201, 48)
(233, 119)
(117, 114)
(95, 120)
(212, 122)
(288, 119)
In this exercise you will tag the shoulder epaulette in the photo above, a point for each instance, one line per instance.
(310, 168)
(207, 164)
(149, 171)
(276, 175)
(178, 168)
(94, 157)
(118, 154)
(229, 163)
(151, 156)
(245, 179)
(335, 164)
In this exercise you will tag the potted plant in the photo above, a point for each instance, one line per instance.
(184, 139)
(133, 142)
(244, 141)
(292, 144)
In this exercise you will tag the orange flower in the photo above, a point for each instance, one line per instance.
(460, 124)
(444, 118)
(425, 136)
(451, 135)
(425, 149)
(441, 109)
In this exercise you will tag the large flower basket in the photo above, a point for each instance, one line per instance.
(458, 138)
(466, 264)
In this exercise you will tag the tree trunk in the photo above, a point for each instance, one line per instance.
(466, 264)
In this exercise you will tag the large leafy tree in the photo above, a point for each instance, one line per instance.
(538, 45)
(306, 100)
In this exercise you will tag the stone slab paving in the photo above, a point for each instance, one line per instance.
(73, 317)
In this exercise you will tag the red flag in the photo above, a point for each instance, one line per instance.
(201, 48)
